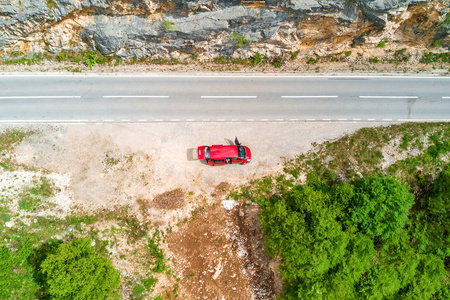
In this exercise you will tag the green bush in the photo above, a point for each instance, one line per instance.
(374, 60)
(312, 61)
(436, 44)
(294, 55)
(382, 43)
(241, 41)
(256, 59)
(76, 271)
(430, 57)
(278, 61)
(168, 25)
(347, 53)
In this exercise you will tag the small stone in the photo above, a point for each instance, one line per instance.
(9, 224)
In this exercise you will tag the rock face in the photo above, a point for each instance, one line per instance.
(202, 27)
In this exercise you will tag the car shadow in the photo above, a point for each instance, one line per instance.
(191, 155)
(229, 142)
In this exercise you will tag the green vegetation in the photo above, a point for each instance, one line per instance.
(401, 56)
(382, 43)
(294, 55)
(347, 53)
(373, 60)
(446, 21)
(430, 57)
(168, 25)
(76, 271)
(241, 41)
(256, 59)
(8, 139)
(278, 61)
(312, 61)
(355, 230)
(436, 44)
(51, 4)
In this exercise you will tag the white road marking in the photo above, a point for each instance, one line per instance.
(39, 97)
(264, 120)
(356, 119)
(278, 119)
(108, 120)
(142, 120)
(310, 119)
(445, 97)
(342, 119)
(220, 120)
(309, 96)
(159, 120)
(175, 120)
(326, 119)
(226, 97)
(293, 119)
(250, 120)
(390, 97)
(371, 119)
(124, 96)
(387, 119)
(190, 120)
(44, 121)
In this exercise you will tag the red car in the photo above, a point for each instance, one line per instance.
(218, 155)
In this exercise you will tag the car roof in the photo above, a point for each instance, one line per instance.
(220, 151)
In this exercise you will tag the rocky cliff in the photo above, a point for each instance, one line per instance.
(211, 28)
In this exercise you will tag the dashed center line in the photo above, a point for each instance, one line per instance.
(136, 96)
(309, 96)
(390, 97)
(445, 97)
(39, 97)
(226, 97)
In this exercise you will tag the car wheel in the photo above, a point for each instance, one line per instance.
(243, 163)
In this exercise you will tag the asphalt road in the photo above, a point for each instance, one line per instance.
(122, 98)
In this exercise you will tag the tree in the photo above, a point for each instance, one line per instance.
(76, 271)
(379, 206)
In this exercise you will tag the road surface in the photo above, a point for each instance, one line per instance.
(129, 98)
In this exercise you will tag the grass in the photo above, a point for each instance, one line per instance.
(312, 61)
(241, 41)
(32, 198)
(8, 139)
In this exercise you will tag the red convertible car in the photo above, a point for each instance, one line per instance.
(218, 155)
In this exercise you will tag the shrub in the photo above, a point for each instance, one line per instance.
(294, 55)
(347, 53)
(436, 44)
(241, 41)
(312, 61)
(278, 61)
(168, 25)
(256, 59)
(76, 271)
(431, 57)
(382, 43)
(373, 60)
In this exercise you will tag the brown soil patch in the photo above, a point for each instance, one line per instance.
(207, 256)
(169, 200)
(221, 189)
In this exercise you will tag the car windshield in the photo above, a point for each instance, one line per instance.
(241, 152)
(206, 152)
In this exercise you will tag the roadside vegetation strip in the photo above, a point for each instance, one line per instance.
(362, 217)
(85, 60)
(40, 248)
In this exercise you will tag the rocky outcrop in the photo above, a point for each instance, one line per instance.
(203, 27)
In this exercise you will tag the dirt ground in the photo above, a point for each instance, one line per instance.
(215, 244)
